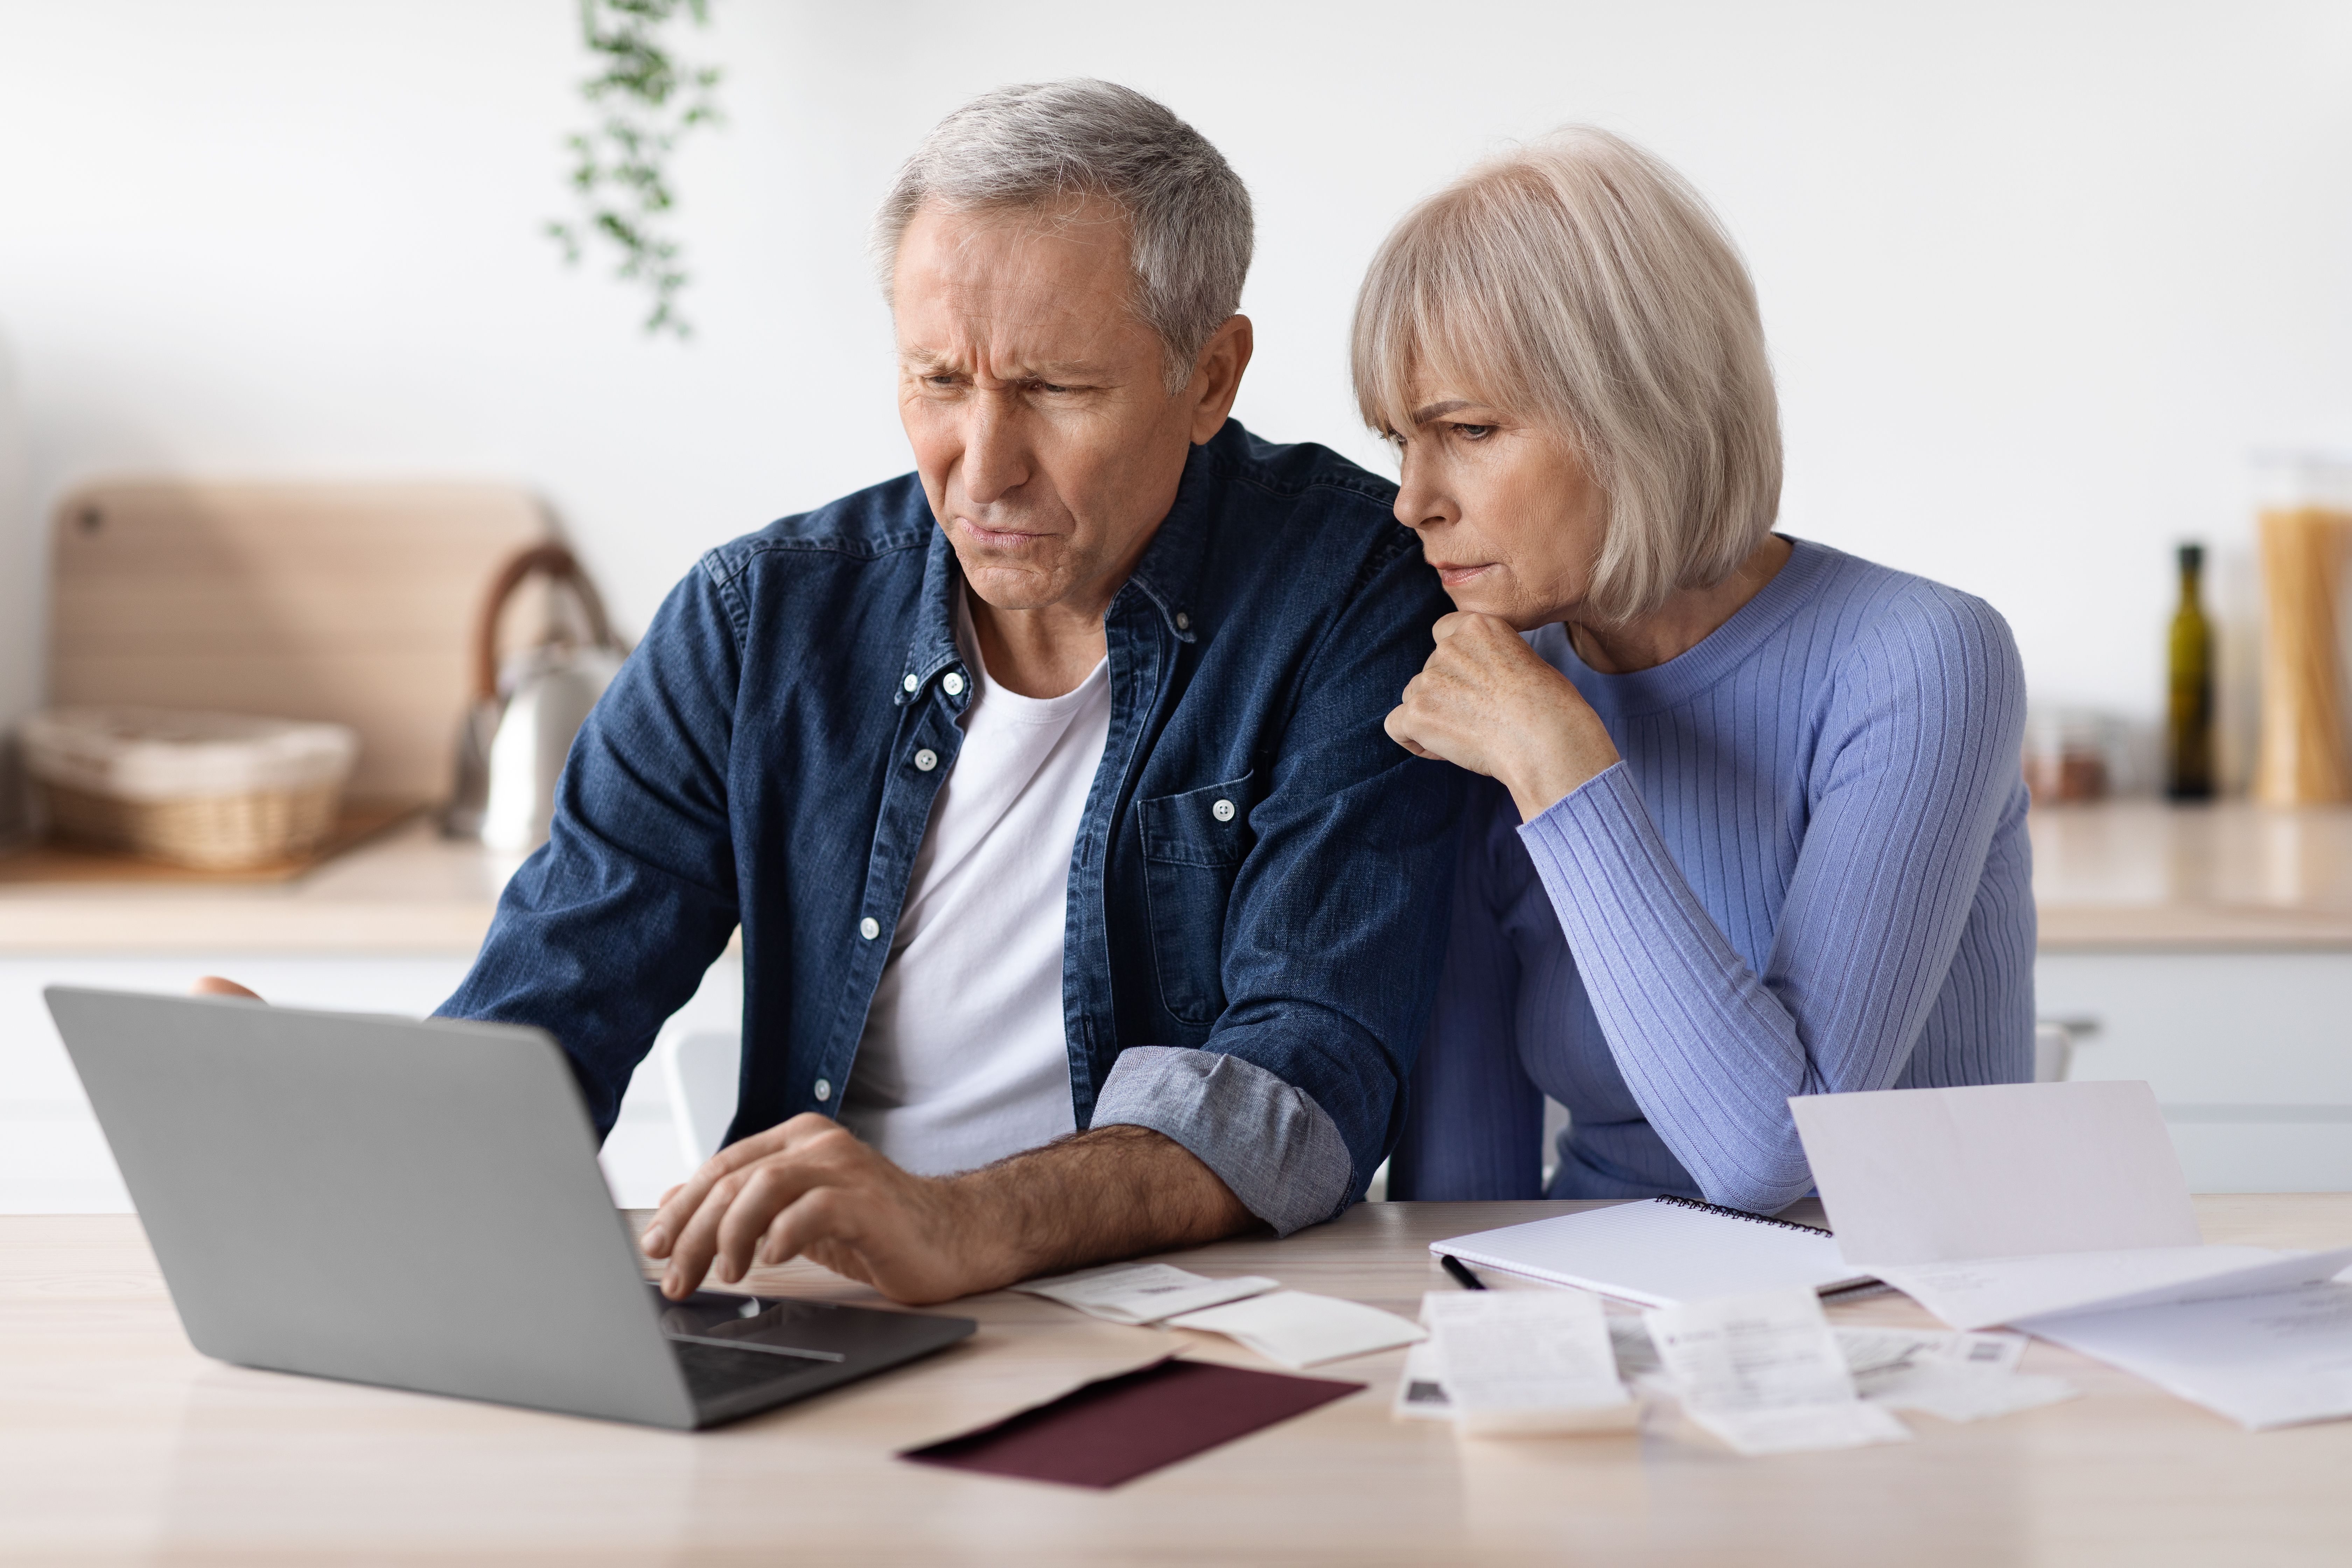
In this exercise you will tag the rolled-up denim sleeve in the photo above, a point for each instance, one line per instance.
(1335, 926)
(1269, 1142)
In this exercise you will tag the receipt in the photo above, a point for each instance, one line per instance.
(1420, 1391)
(1637, 1358)
(1139, 1293)
(1527, 1360)
(1764, 1373)
(1958, 1377)
(1300, 1329)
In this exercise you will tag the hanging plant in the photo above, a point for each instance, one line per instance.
(648, 100)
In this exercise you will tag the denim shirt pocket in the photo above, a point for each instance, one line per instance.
(1194, 846)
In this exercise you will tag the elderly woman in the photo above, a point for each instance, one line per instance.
(1755, 826)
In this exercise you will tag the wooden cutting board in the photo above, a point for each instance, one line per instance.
(350, 602)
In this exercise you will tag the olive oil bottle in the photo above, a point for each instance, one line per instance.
(2188, 730)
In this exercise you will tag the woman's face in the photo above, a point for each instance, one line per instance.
(1505, 509)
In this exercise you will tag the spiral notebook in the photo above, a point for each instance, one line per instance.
(1661, 1252)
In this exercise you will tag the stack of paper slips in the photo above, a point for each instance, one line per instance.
(1514, 1362)
(1296, 1328)
(1764, 1373)
(1755, 1372)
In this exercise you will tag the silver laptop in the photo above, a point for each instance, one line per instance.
(419, 1206)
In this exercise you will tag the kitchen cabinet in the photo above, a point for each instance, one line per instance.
(2208, 950)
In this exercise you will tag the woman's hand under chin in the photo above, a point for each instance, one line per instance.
(1486, 702)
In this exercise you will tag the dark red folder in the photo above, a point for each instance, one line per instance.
(1114, 1430)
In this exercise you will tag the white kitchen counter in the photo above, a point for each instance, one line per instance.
(408, 892)
(2206, 950)
(2144, 876)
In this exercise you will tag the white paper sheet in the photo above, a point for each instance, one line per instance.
(1302, 1330)
(1137, 1293)
(1978, 1294)
(1420, 1391)
(2271, 1360)
(1764, 1373)
(1927, 1175)
(1527, 1361)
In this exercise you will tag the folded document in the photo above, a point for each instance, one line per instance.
(1998, 1203)
(1139, 1293)
(2060, 1208)
(1300, 1328)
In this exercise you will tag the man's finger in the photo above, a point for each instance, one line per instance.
(215, 985)
(767, 1191)
(820, 1215)
(698, 1240)
(678, 1204)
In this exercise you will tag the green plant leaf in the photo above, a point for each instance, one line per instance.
(646, 100)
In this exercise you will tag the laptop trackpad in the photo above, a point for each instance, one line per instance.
(810, 1331)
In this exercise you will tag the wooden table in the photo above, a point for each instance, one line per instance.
(118, 1443)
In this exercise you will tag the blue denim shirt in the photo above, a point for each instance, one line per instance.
(1253, 983)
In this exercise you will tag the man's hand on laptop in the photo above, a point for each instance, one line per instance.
(808, 1188)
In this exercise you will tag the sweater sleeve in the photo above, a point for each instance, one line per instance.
(1916, 762)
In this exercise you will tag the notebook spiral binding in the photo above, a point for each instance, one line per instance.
(1742, 1214)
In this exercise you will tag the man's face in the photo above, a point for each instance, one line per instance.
(1036, 403)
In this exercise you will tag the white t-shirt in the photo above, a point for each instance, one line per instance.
(963, 1059)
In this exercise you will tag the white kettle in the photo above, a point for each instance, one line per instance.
(513, 743)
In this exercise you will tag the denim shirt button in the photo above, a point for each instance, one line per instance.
(953, 684)
(823, 1088)
(926, 760)
(869, 928)
(1223, 811)
(1183, 622)
(910, 682)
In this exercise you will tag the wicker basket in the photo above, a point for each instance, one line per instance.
(220, 792)
(214, 832)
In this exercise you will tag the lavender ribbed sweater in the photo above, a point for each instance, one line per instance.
(1809, 875)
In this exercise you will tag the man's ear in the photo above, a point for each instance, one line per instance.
(1217, 376)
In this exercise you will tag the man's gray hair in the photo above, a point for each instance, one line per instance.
(1044, 146)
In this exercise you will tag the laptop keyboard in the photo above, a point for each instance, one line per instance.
(714, 1372)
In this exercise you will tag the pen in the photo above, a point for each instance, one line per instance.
(1461, 1272)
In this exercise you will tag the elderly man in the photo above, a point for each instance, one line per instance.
(1086, 909)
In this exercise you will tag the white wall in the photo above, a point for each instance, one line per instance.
(2036, 276)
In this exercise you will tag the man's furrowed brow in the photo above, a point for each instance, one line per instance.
(938, 361)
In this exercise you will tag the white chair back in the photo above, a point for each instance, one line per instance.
(700, 1069)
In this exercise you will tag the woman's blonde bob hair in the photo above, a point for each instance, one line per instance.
(1580, 284)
